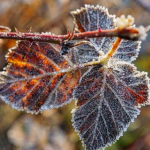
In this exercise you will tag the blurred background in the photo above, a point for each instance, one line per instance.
(52, 130)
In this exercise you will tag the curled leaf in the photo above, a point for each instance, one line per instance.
(4, 29)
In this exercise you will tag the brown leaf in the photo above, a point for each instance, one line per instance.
(33, 80)
(108, 92)
(107, 100)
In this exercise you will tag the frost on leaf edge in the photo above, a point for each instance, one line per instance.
(4, 72)
(109, 144)
(137, 107)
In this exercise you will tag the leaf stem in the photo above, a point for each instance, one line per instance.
(105, 59)
(114, 48)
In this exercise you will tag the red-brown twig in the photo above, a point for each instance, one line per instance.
(126, 33)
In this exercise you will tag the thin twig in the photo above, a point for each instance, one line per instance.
(126, 33)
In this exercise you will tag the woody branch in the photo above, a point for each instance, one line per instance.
(126, 33)
(123, 30)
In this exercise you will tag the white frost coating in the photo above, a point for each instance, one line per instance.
(108, 95)
(142, 33)
(50, 55)
(47, 33)
(4, 34)
(4, 28)
(99, 17)
(103, 118)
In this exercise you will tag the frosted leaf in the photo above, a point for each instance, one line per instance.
(90, 18)
(106, 103)
(127, 51)
(32, 80)
(4, 29)
(83, 53)
(108, 90)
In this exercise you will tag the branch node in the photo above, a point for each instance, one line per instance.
(29, 31)
(18, 32)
